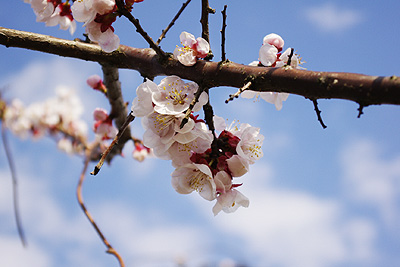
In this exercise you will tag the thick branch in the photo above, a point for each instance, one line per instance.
(118, 107)
(363, 89)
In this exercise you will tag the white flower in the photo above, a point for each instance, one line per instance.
(249, 146)
(223, 182)
(98, 31)
(107, 40)
(194, 177)
(197, 140)
(161, 129)
(175, 96)
(43, 9)
(165, 125)
(52, 15)
(86, 10)
(270, 97)
(64, 20)
(192, 49)
(142, 105)
(283, 59)
(237, 165)
(268, 55)
(230, 202)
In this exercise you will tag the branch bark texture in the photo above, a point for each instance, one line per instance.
(363, 89)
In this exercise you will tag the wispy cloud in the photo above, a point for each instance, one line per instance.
(289, 227)
(331, 18)
(372, 178)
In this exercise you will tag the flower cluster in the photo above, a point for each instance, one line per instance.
(97, 16)
(270, 56)
(204, 163)
(58, 116)
(54, 12)
(192, 49)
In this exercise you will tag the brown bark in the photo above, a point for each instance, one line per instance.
(363, 89)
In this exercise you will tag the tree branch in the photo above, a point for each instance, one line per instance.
(11, 165)
(164, 32)
(79, 196)
(368, 90)
(205, 32)
(118, 107)
(139, 28)
(223, 55)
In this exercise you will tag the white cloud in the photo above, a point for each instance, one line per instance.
(372, 179)
(38, 80)
(150, 239)
(294, 228)
(331, 18)
(143, 238)
(14, 255)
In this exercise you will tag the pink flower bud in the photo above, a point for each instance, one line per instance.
(96, 83)
(275, 40)
(100, 114)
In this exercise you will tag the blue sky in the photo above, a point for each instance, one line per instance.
(317, 198)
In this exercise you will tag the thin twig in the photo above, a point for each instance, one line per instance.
(223, 55)
(110, 249)
(200, 90)
(205, 32)
(14, 186)
(128, 120)
(209, 113)
(236, 95)
(318, 113)
(164, 32)
(139, 29)
(360, 110)
(289, 61)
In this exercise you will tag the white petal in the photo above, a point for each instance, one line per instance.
(187, 39)
(267, 54)
(237, 166)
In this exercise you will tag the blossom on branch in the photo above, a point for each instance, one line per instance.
(270, 56)
(58, 117)
(192, 49)
(53, 13)
(98, 16)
